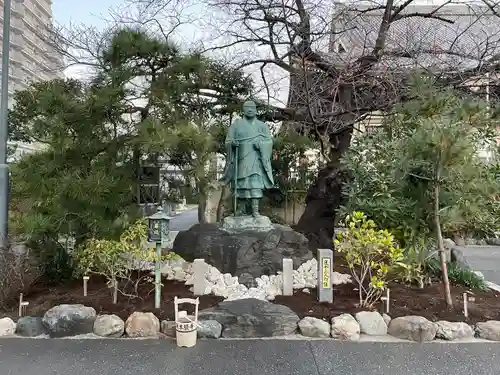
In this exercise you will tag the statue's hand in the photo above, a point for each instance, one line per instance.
(256, 146)
(235, 143)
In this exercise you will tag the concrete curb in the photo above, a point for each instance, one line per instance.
(492, 285)
(363, 339)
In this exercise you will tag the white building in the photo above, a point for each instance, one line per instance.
(31, 57)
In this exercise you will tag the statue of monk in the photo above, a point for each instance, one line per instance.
(249, 147)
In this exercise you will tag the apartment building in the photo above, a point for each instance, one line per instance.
(31, 57)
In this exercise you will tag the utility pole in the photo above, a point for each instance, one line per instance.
(4, 108)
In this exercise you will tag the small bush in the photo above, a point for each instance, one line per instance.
(116, 259)
(411, 269)
(18, 271)
(458, 275)
(370, 255)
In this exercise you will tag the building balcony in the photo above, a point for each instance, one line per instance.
(39, 19)
(45, 6)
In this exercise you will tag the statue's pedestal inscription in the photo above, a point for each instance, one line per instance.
(237, 224)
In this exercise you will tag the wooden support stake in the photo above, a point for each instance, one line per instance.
(85, 281)
(466, 307)
(20, 305)
(387, 300)
(24, 307)
(115, 292)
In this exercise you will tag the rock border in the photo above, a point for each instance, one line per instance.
(78, 321)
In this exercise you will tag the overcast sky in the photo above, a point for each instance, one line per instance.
(96, 12)
(83, 11)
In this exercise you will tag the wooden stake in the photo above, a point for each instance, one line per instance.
(85, 281)
(466, 308)
(20, 305)
(115, 291)
(387, 300)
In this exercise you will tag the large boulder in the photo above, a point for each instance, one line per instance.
(69, 320)
(454, 330)
(142, 324)
(209, 329)
(345, 327)
(109, 326)
(371, 323)
(314, 327)
(457, 256)
(252, 252)
(493, 241)
(7, 327)
(30, 326)
(412, 327)
(489, 330)
(252, 317)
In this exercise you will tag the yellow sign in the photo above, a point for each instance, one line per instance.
(326, 273)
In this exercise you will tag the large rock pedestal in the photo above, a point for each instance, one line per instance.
(251, 317)
(254, 251)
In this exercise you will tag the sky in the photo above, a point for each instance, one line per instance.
(96, 12)
(90, 12)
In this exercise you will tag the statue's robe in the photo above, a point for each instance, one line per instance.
(253, 166)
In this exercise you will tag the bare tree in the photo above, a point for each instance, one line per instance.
(343, 62)
(347, 61)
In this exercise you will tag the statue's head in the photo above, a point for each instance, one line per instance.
(249, 109)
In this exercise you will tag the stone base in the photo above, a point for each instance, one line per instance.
(251, 317)
(235, 224)
(255, 252)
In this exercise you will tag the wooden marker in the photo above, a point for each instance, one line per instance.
(466, 308)
(387, 300)
(22, 305)
(85, 281)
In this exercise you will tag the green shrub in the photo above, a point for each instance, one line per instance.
(114, 259)
(465, 277)
(412, 267)
(458, 275)
(370, 254)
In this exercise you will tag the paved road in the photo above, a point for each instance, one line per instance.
(485, 259)
(256, 357)
(184, 220)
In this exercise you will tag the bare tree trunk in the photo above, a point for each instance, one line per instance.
(221, 206)
(324, 197)
(202, 207)
(442, 255)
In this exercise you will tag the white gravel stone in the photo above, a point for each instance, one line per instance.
(267, 287)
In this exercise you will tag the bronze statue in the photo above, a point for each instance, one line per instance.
(249, 147)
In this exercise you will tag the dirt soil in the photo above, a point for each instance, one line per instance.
(427, 302)
(42, 297)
